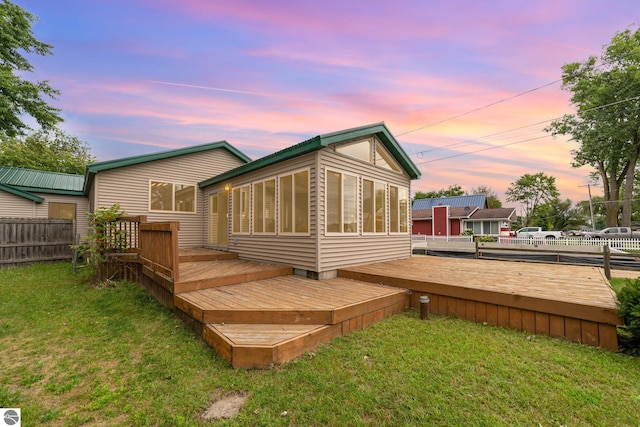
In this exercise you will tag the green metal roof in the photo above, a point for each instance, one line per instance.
(321, 141)
(94, 168)
(22, 182)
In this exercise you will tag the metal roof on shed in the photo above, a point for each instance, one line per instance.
(41, 181)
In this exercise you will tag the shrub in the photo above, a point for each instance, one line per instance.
(629, 310)
(105, 237)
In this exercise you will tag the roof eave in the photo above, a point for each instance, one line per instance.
(21, 193)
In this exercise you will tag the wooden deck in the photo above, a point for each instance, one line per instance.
(571, 302)
(256, 315)
(259, 315)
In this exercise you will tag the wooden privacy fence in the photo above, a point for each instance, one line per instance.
(33, 240)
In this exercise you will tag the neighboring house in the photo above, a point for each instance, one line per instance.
(26, 193)
(450, 216)
(332, 201)
(163, 186)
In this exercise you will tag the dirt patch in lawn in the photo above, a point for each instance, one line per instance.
(225, 406)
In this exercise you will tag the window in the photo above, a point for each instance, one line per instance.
(170, 197)
(374, 213)
(360, 150)
(62, 210)
(384, 159)
(240, 214)
(264, 206)
(342, 203)
(294, 203)
(398, 214)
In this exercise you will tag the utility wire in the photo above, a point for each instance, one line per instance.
(479, 108)
(522, 127)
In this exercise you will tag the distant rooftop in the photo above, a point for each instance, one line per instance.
(479, 200)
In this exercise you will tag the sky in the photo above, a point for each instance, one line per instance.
(466, 87)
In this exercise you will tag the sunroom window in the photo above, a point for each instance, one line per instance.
(374, 210)
(342, 203)
(294, 202)
(171, 197)
(398, 214)
(264, 206)
(240, 212)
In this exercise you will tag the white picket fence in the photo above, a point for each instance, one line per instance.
(619, 244)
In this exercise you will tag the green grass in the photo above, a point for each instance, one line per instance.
(72, 355)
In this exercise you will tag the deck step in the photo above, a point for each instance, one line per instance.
(262, 346)
(288, 300)
(197, 275)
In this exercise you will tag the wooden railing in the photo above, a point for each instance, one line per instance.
(125, 233)
(158, 243)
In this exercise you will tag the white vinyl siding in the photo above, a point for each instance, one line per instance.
(343, 250)
(12, 206)
(298, 250)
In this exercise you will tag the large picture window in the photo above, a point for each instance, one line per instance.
(171, 197)
(264, 206)
(342, 203)
(294, 202)
(240, 212)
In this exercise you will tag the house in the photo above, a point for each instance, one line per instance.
(26, 193)
(163, 186)
(450, 216)
(335, 200)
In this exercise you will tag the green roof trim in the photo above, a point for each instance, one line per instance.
(94, 168)
(21, 193)
(321, 141)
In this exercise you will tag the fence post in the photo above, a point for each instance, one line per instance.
(477, 251)
(606, 259)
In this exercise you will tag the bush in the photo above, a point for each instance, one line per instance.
(105, 237)
(629, 310)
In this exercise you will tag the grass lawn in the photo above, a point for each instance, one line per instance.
(71, 355)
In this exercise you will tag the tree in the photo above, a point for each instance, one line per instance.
(19, 96)
(560, 215)
(531, 191)
(453, 190)
(492, 197)
(607, 121)
(46, 150)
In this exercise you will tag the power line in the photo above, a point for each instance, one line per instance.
(479, 108)
(518, 128)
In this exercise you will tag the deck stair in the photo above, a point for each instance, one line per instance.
(259, 315)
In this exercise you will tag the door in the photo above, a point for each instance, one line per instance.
(219, 219)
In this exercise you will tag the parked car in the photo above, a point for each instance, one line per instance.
(538, 233)
(613, 233)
